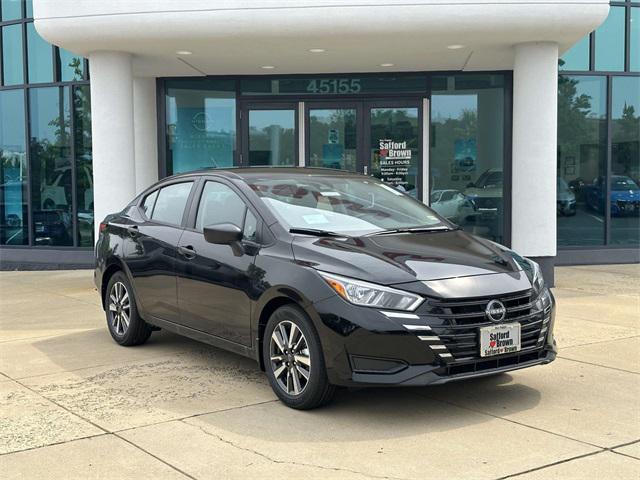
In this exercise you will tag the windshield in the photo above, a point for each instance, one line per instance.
(623, 183)
(344, 205)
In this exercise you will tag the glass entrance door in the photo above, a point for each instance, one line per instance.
(379, 138)
(393, 139)
(332, 135)
(270, 134)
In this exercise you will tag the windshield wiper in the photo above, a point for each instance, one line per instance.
(442, 228)
(317, 232)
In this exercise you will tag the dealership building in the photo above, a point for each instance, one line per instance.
(519, 120)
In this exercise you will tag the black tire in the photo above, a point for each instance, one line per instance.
(137, 331)
(316, 390)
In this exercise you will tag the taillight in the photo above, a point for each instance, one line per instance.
(103, 226)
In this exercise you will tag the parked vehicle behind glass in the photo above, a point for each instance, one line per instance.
(624, 197)
(565, 198)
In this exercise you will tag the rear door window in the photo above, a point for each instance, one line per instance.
(171, 202)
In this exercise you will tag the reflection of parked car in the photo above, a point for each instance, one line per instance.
(486, 192)
(54, 194)
(52, 227)
(625, 195)
(13, 220)
(566, 198)
(577, 186)
(452, 204)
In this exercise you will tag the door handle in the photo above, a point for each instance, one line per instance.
(133, 230)
(187, 252)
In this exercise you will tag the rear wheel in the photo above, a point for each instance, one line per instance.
(125, 324)
(294, 360)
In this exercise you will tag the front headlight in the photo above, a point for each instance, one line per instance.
(537, 279)
(368, 294)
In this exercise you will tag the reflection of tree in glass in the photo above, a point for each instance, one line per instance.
(625, 148)
(574, 112)
(446, 131)
(270, 140)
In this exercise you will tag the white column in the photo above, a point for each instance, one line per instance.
(112, 132)
(535, 86)
(145, 132)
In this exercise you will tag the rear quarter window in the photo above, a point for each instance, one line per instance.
(149, 201)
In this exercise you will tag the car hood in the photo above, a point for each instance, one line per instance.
(490, 192)
(625, 195)
(406, 257)
(566, 195)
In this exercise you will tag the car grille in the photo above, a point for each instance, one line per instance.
(488, 203)
(455, 324)
(627, 205)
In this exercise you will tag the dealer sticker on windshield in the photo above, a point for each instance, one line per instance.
(499, 339)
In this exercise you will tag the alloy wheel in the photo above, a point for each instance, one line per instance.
(290, 359)
(119, 308)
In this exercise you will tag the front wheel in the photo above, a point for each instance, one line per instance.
(294, 360)
(126, 326)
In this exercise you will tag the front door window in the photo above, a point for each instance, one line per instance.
(333, 138)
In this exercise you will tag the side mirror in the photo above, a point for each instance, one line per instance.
(222, 233)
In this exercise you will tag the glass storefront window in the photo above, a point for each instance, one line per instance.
(467, 152)
(71, 65)
(13, 169)
(577, 57)
(272, 137)
(84, 164)
(11, 9)
(201, 124)
(40, 57)
(625, 161)
(332, 138)
(12, 64)
(582, 144)
(634, 39)
(51, 172)
(609, 38)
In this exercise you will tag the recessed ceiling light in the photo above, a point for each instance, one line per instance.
(268, 67)
(455, 47)
(386, 64)
(184, 52)
(317, 50)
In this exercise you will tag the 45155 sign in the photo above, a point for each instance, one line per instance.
(328, 86)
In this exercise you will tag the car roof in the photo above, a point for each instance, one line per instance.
(243, 173)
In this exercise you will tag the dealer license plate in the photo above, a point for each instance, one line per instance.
(499, 339)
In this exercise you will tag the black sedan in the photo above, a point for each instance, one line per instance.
(325, 278)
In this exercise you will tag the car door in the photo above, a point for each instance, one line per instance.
(151, 254)
(214, 281)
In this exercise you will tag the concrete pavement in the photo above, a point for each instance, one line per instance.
(73, 404)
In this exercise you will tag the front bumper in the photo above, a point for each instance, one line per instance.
(367, 347)
(421, 375)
